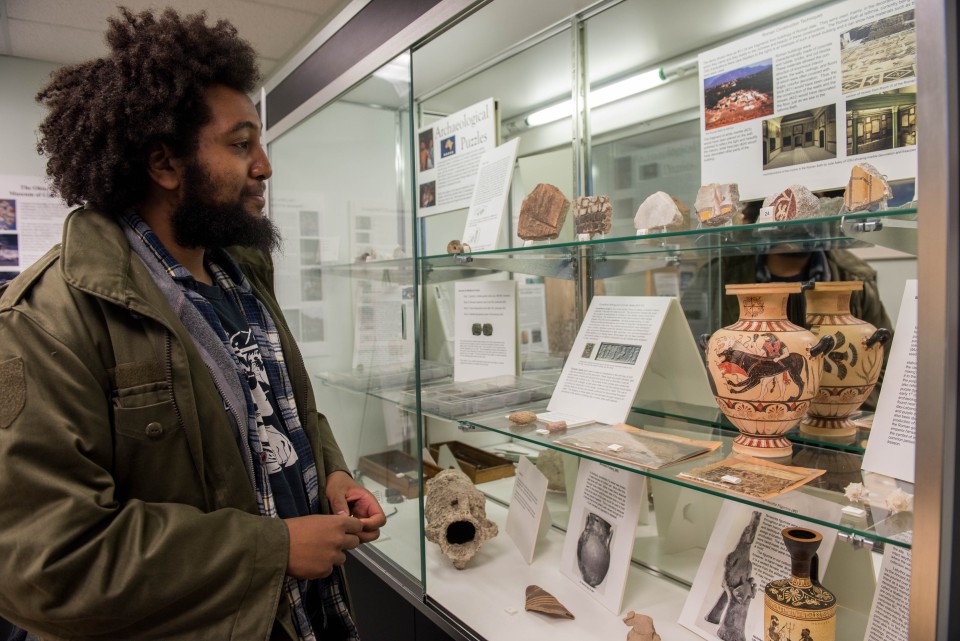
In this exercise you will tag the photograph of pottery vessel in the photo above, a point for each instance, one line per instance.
(593, 549)
(764, 370)
(851, 367)
(799, 607)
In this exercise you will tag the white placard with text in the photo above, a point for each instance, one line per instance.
(893, 439)
(529, 515)
(601, 531)
(628, 343)
(489, 201)
(485, 328)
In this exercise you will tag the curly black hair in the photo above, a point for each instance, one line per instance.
(106, 114)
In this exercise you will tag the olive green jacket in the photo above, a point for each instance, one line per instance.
(126, 508)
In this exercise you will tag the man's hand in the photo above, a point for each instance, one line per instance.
(318, 543)
(349, 498)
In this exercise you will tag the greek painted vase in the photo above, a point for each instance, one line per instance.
(851, 368)
(799, 608)
(763, 369)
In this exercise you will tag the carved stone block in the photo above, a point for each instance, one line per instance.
(542, 213)
(867, 189)
(717, 204)
(796, 201)
(661, 211)
(593, 214)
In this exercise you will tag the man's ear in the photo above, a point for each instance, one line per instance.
(163, 167)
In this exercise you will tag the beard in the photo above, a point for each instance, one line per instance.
(199, 221)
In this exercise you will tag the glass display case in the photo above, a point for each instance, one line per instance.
(369, 278)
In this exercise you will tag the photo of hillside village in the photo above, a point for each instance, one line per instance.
(738, 95)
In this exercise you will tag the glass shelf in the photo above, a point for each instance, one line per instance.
(894, 228)
(714, 418)
(821, 501)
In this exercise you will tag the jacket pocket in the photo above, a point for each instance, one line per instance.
(145, 412)
(152, 459)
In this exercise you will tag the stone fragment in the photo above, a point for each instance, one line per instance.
(661, 211)
(867, 189)
(641, 627)
(456, 515)
(542, 213)
(539, 600)
(796, 201)
(831, 206)
(717, 204)
(555, 426)
(592, 214)
(523, 418)
(454, 247)
(550, 463)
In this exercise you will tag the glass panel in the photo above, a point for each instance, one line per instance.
(346, 281)
(631, 144)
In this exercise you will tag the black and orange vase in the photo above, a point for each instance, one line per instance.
(799, 607)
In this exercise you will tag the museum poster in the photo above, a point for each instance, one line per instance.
(449, 152)
(31, 222)
(802, 101)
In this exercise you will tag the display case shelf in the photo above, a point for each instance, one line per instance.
(894, 228)
(820, 501)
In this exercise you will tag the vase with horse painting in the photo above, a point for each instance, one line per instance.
(851, 367)
(763, 369)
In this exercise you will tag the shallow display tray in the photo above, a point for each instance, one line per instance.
(481, 466)
(454, 400)
(386, 376)
(396, 470)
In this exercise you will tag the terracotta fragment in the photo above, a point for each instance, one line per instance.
(661, 212)
(542, 213)
(796, 201)
(641, 627)
(717, 204)
(539, 600)
(523, 418)
(593, 214)
(867, 189)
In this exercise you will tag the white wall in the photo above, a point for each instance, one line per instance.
(21, 80)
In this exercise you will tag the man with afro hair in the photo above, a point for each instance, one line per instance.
(164, 470)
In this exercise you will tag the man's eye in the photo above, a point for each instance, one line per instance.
(242, 145)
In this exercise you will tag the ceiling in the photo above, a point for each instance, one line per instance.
(71, 31)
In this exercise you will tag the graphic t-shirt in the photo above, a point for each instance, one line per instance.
(286, 478)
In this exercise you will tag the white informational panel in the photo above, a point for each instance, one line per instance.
(628, 343)
(601, 531)
(31, 222)
(489, 201)
(893, 439)
(449, 152)
(890, 613)
(529, 516)
(745, 552)
(802, 101)
(485, 326)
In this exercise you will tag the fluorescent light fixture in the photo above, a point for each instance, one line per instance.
(549, 114)
(397, 70)
(614, 91)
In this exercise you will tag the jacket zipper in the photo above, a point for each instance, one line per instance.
(168, 363)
